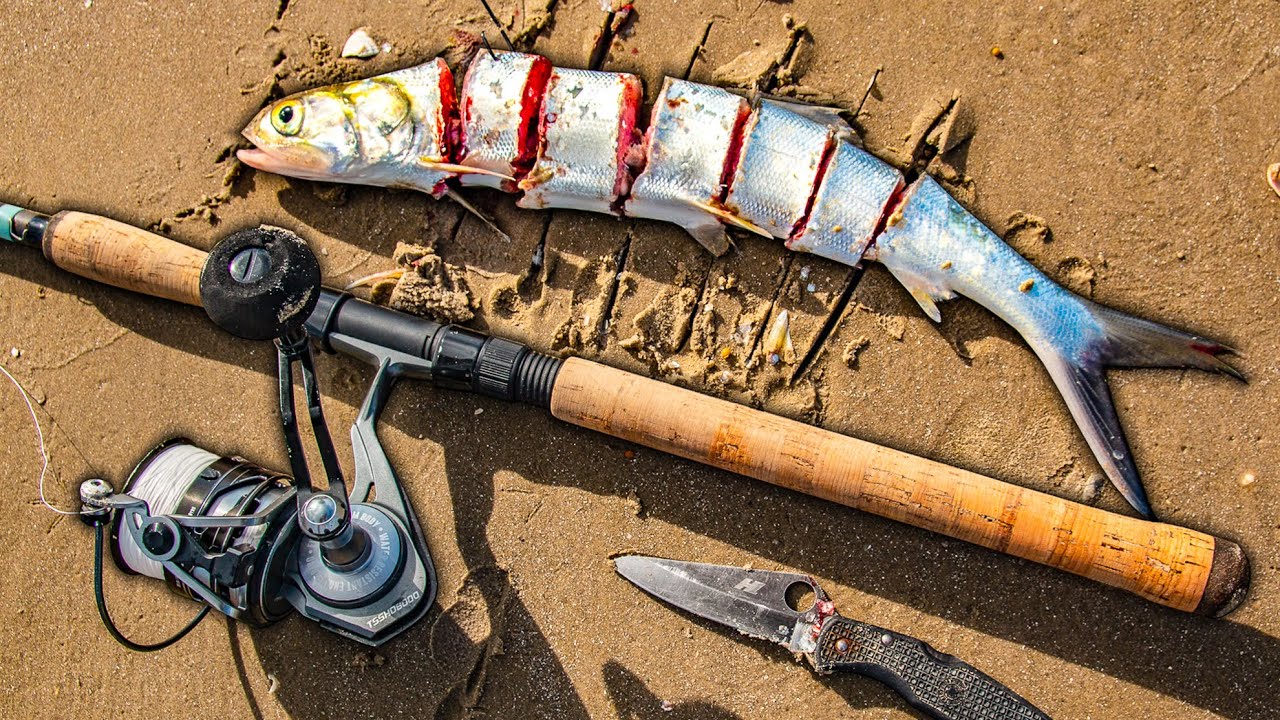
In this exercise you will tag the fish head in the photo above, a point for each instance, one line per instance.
(359, 132)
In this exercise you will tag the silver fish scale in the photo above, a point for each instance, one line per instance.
(689, 136)
(492, 96)
(422, 84)
(577, 165)
(936, 248)
(853, 194)
(778, 169)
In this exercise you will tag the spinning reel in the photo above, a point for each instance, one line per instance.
(254, 544)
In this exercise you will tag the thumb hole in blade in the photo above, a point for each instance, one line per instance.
(800, 596)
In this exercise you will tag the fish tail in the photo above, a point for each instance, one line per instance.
(1123, 341)
(1134, 342)
(937, 250)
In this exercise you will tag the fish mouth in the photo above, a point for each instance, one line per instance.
(267, 161)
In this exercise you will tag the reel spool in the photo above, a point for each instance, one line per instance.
(180, 479)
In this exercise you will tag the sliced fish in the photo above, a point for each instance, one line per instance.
(691, 149)
(850, 202)
(782, 162)
(586, 128)
(708, 160)
(501, 107)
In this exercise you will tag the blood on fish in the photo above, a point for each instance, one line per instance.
(803, 221)
(636, 157)
(631, 94)
(890, 207)
(450, 123)
(532, 131)
(734, 155)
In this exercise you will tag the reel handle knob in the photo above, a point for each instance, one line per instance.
(260, 283)
(343, 545)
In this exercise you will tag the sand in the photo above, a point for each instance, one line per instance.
(1122, 149)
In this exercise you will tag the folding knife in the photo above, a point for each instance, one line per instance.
(755, 603)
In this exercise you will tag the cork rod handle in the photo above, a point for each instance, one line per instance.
(124, 256)
(1170, 565)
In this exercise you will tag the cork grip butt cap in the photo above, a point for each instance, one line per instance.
(117, 254)
(1174, 566)
(1229, 578)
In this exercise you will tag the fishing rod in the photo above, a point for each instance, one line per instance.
(1173, 566)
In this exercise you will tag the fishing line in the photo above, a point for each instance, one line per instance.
(101, 599)
(502, 30)
(99, 541)
(44, 455)
(161, 485)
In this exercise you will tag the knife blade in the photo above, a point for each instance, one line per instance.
(755, 602)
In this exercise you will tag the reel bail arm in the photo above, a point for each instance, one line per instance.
(261, 284)
(169, 541)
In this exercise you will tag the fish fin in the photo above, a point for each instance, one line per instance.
(926, 294)
(466, 205)
(1084, 387)
(711, 236)
(926, 303)
(430, 163)
(1126, 341)
(730, 219)
(831, 117)
(1134, 342)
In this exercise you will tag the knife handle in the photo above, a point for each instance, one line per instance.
(939, 685)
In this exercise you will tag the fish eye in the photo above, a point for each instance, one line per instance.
(286, 118)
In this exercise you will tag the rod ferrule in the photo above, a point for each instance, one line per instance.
(7, 212)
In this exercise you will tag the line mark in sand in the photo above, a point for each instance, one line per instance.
(923, 151)
(615, 22)
(527, 282)
(784, 276)
(606, 316)
(830, 324)
(86, 351)
(494, 18)
(698, 50)
(698, 306)
(871, 86)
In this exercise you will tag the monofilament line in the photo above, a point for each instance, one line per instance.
(44, 455)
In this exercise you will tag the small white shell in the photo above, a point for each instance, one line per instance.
(360, 45)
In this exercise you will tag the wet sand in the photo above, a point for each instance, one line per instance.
(1138, 137)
